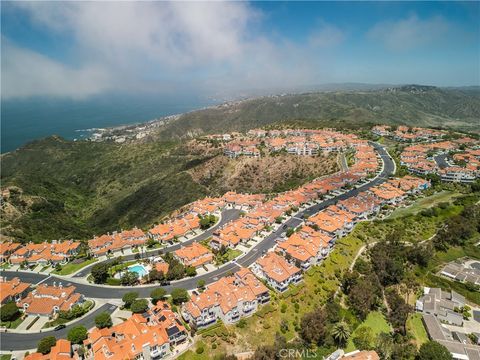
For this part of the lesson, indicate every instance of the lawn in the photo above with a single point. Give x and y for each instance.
(424, 203)
(71, 267)
(12, 324)
(375, 321)
(416, 329)
(5, 357)
(233, 253)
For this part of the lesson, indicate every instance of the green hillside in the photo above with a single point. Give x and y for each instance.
(412, 105)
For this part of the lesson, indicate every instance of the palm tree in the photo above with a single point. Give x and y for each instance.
(341, 333)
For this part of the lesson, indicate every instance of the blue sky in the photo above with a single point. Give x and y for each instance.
(83, 49)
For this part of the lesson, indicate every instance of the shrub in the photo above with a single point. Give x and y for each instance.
(9, 311)
(46, 344)
(157, 294)
(129, 298)
(77, 334)
(179, 296)
(139, 306)
(103, 320)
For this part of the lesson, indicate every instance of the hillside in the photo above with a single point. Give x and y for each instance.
(56, 189)
(411, 105)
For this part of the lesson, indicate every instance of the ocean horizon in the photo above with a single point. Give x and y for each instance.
(25, 120)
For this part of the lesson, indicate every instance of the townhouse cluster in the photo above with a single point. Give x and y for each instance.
(44, 253)
(302, 142)
(151, 335)
(408, 134)
(228, 299)
(43, 300)
(154, 334)
(239, 295)
(429, 153)
(432, 158)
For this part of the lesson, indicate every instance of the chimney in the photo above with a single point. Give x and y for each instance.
(60, 285)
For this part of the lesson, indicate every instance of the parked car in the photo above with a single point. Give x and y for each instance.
(59, 327)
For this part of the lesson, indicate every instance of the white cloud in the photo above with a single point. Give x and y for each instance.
(205, 46)
(326, 35)
(26, 73)
(409, 33)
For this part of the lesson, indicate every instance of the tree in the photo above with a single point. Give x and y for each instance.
(363, 338)
(77, 334)
(313, 327)
(9, 311)
(100, 273)
(340, 333)
(432, 350)
(139, 306)
(129, 298)
(157, 295)
(190, 271)
(290, 231)
(201, 284)
(364, 295)
(155, 275)
(129, 278)
(179, 296)
(45, 345)
(103, 320)
(398, 311)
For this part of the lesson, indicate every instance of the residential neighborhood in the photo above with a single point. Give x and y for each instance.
(222, 235)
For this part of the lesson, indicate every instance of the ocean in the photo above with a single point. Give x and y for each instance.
(29, 119)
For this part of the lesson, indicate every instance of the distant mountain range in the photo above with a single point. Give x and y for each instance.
(419, 105)
(58, 189)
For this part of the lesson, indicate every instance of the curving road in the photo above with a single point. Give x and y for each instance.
(25, 341)
(16, 341)
(110, 292)
(227, 216)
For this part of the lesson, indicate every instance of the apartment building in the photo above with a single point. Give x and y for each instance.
(228, 299)
(278, 273)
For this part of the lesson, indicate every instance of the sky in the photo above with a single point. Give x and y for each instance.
(78, 50)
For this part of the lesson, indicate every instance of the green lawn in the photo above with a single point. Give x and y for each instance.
(71, 267)
(12, 324)
(5, 357)
(375, 321)
(424, 203)
(416, 329)
(233, 253)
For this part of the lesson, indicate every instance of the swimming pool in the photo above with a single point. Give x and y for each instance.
(139, 269)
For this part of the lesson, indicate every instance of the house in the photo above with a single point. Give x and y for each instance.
(441, 304)
(8, 248)
(441, 334)
(12, 290)
(135, 338)
(195, 255)
(48, 300)
(62, 350)
(161, 315)
(277, 271)
(228, 299)
(306, 247)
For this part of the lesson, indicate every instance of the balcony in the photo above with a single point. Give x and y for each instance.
(157, 353)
